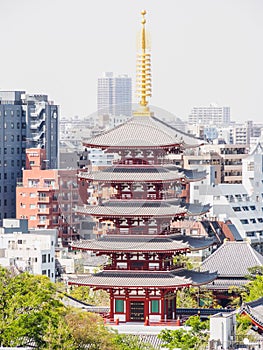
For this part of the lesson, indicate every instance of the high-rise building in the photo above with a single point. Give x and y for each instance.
(25, 121)
(42, 126)
(210, 115)
(12, 149)
(114, 94)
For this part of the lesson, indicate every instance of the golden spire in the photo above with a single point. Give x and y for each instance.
(143, 71)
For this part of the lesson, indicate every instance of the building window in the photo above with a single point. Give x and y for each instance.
(44, 258)
(19, 241)
(32, 206)
(32, 217)
(119, 305)
(154, 306)
(236, 208)
(44, 272)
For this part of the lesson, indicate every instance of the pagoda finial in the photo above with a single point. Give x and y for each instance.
(143, 70)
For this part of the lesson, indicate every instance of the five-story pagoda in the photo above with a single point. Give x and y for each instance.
(142, 276)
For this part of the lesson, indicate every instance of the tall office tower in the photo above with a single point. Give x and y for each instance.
(24, 123)
(42, 126)
(213, 115)
(12, 149)
(114, 95)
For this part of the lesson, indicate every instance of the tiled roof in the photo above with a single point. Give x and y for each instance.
(144, 279)
(131, 243)
(142, 243)
(130, 208)
(196, 242)
(121, 173)
(226, 283)
(197, 278)
(142, 132)
(232, 259)
(254, 310)
(142, 208)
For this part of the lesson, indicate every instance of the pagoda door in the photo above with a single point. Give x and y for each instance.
(137, 311)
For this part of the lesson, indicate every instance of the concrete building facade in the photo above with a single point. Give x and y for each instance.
(25, 120)
(114, 95)
(32, 251)
(210, 115)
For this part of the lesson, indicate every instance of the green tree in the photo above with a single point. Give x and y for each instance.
(28, 304)
(89, 331)
(195, 338)
(194, 297)
(87, 295)
(254, 288)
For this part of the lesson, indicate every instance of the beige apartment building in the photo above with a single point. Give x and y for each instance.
(226, 160)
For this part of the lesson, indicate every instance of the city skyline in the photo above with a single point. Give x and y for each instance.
(202, 52)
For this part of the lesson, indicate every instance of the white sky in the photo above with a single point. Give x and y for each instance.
(202, 51)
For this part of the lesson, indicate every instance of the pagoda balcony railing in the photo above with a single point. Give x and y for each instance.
(140, 231)
(146, 197)
(145, 268)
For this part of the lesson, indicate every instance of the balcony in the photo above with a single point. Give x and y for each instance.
(45, 211)
(44, 199)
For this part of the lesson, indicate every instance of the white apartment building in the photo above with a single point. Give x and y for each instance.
(232, 202)
(252, 175)
(114, 94)
(210, 115)
(32, 251)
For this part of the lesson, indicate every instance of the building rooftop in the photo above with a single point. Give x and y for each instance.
(142, 208)
(232, 259)
(145, 279)
(143, 132)
(137, 173)
(131, 243)
(254, 310)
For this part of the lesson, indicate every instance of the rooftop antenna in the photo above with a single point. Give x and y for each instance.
(143, 68)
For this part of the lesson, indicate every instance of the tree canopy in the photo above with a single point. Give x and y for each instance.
(32, 314)
(194, 338)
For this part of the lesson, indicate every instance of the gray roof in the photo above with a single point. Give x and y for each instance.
(142, 208)
(235, 232)
(144, 279)
(145, 173)
(232, 259)
(143, 132)
(129, 243)
(254, 310)
(226, 283)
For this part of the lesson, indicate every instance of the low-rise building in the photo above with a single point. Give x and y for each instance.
(32, 251)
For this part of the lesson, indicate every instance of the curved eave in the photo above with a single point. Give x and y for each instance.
(113, 178)
(196, 210)
(132, 280)
(111, 212)
(108, 251)
(132, 244)
(196, 243)
(131, 147)
(198, 278)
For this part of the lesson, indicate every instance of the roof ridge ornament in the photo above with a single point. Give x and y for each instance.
(143, 68)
